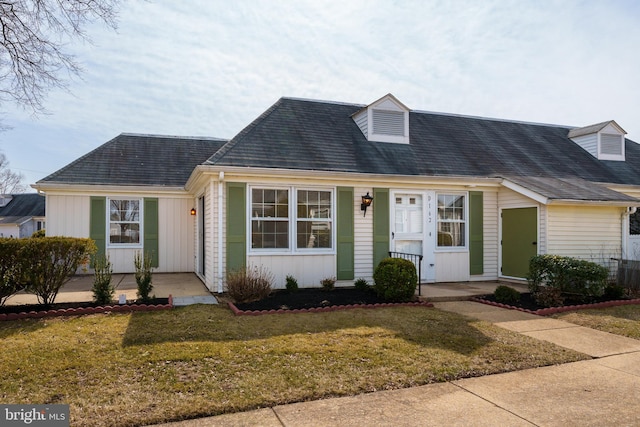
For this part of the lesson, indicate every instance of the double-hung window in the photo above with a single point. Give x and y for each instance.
(124, 222)
(291, 219)
(451, 221)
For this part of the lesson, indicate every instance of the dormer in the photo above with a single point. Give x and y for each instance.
(385, 120)
(604, 141)
(5, 199)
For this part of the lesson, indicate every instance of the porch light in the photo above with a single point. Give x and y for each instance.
(193, 211)
(366, 202)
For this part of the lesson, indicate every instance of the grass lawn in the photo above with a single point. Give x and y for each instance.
(141, 368)
(622, 320)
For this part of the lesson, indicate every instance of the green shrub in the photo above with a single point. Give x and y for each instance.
(11, 280)
(506, 295)
(547, 296)
(143, 275)
(362, 285)
(292, 284)
(249, 284)
(102, 289)
(614, 292)
(328, 283)
(47, 263)
(395, 279)
(569, 275)
(39, 233)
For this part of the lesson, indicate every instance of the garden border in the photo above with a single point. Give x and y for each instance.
(87, 310)
(561, 309)
(239, 312)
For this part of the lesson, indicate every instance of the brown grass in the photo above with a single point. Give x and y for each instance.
(143, 368)
(622, 320)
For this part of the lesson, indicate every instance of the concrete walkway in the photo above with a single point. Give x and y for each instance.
(603, 391)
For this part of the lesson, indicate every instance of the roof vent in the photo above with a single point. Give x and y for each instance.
(385, 120)
(604, 141)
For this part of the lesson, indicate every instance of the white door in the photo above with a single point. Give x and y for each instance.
(410, 228)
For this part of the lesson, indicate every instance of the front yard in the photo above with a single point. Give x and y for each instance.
(143, 368)
(622, 320)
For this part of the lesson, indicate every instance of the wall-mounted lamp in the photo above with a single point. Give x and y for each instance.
(193, 211)
(366, 202)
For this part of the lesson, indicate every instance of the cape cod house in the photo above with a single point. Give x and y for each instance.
(476, 197)
(21, 215)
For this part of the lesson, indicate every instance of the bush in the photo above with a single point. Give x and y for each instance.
(613, 292)
(47, 263)
(362, 285)
(143, 275)
(328, 283)
(569, 275)
(506, 295)
(249, 284)
(395, 279)
(292, 284)
(39, 233)
(103, 290)
(11, 280)
(547, 296)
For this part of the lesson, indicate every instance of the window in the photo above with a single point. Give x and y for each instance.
(313, 227)
(124, 221)
(276, 215)
(634, 223)
(451, 220)
(269, 218)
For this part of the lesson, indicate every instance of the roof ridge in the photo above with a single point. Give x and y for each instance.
(351, 104)
(493, 119)
(152, 135)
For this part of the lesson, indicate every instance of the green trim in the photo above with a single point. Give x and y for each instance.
(151, 244)
(98, 223)
(380, 225)
(476, 233)
(345, 234)
(236, 225)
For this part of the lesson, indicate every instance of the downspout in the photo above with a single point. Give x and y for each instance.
(220, 230)
(625, 230)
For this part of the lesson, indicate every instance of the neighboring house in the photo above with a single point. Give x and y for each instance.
(21, 214)
(476, 197)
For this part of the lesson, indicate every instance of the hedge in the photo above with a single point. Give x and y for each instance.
(569, 275)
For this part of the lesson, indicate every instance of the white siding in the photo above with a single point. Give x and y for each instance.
(67, 215)
(591, 233)
(307, 269)
(363, 237)
(452, 266)
(588, 143)
(508, 199)
(490, 238)
(176, 234)
(362, 122)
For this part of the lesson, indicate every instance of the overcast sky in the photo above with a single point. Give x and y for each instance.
(208, 68)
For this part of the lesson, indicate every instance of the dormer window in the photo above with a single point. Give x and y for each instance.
(604, 141)
(385, 120)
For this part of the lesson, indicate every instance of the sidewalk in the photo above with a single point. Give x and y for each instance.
(598, 392)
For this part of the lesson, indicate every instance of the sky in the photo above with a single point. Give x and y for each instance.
(209, 68)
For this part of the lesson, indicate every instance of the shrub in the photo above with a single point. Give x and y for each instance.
(569, 275)
(143, 275)
(48, 262)
(292, 284)
(328, 283)
(10, 268)
(547, 296)
(39, 233)
(362, 285)
(613, 292)
(249, 284)
(395, 279)
(506, 295)
(102, 288)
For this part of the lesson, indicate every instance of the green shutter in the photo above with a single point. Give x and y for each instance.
(98, 223)
(344, 228)
(476, 246)
(236, 225)
(150, 244)
(380, 225)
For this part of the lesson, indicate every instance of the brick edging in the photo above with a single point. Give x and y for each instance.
(239, 312)
(87, 310)
(554, 310)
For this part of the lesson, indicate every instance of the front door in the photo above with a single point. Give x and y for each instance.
(519, 240)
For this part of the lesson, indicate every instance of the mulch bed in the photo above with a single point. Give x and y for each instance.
(315, 299)
(528, 304)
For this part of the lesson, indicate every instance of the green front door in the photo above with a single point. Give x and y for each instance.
(519, 240)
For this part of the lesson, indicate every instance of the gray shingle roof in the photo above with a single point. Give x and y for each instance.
(23, 205)
(316, 135)
(131, 159)
(571, 189)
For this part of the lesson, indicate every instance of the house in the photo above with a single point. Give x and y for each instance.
(21, 214)
(476, 197)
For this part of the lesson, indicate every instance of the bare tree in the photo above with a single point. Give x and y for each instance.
(10, 181)
(34, 33)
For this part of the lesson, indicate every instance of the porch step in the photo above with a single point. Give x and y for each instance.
(190, 300)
